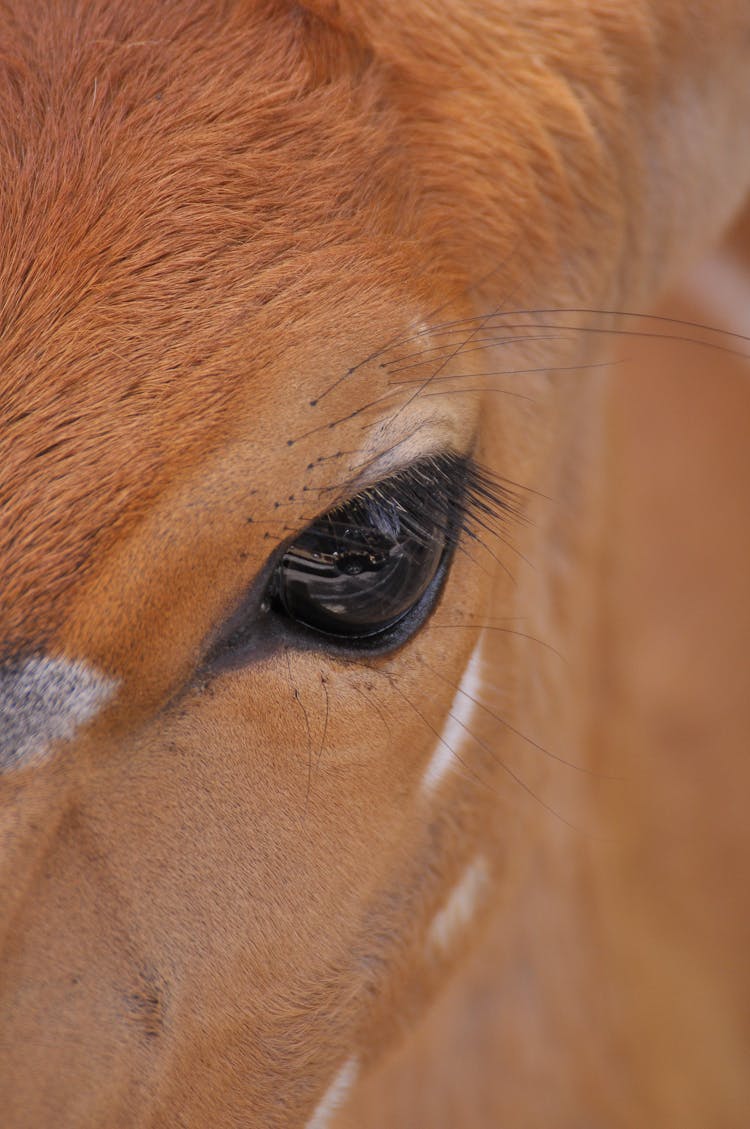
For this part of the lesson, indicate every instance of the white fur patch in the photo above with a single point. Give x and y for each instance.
(454, 732)
(334, 1095)
(45, 700)
(460, 906)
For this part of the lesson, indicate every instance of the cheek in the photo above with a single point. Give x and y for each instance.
(280, 822)
(273, 872)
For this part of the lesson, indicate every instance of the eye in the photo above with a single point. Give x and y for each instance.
(360, 569)
(367, 573)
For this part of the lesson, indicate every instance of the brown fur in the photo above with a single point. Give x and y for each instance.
(211, 212)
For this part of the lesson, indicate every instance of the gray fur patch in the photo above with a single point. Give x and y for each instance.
(45, 700)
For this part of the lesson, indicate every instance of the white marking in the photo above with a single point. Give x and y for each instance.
(334, 1095)
(454, 731)
(46, 700)
(460, 906)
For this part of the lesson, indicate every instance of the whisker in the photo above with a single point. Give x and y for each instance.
(486, 626)
(665, 320)
(486, 342)
(373, 702)
(324, 684)
(397, 340)
(512, 729)
(358, 468)
(473, 777)
(480, 391)
(298, 699)
(498, 560)
(577, 310)
(469, 774)
(644, 335)
(329, 425)
(426, 383)
(515, 777)
(329, 458)
(507, 372)
(493, 342)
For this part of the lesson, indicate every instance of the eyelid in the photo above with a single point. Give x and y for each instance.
(373, 475)
(447, 469)
(389, 462)
(464, 491)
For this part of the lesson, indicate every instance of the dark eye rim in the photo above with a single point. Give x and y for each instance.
(258, 628)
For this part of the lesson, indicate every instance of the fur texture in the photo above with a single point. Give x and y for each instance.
(255, 251)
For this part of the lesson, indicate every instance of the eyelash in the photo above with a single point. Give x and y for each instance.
(443, 500)
(365, 575)
(467, 496)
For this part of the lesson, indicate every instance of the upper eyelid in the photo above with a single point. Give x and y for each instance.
(357, 489)
(370, 475)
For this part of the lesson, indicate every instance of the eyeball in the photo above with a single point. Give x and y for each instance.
(360, 569)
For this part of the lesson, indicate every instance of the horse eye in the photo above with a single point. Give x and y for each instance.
(362, 567)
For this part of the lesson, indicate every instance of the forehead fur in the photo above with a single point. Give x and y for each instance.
(189, 189)
(181, 185)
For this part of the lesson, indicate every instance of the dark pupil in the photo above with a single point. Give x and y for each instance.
(360, 569)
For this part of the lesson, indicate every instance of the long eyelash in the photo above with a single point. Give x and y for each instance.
(445, 495)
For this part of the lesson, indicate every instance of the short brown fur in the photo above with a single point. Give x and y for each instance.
(223, 224)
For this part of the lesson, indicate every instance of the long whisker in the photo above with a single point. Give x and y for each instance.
(471, 535)
(515, 777)
(329, 425)
(468, 774)
(505, 372)
(591, 330)
(486, 626)
(485, 342)
(460, 323)
(298, 699)
(426, 383)
(644, 335)
(479, 391)
(473, 776)
(512, 729)
(324, 684)
(398, 339)
(373, 703)
(419, 391)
